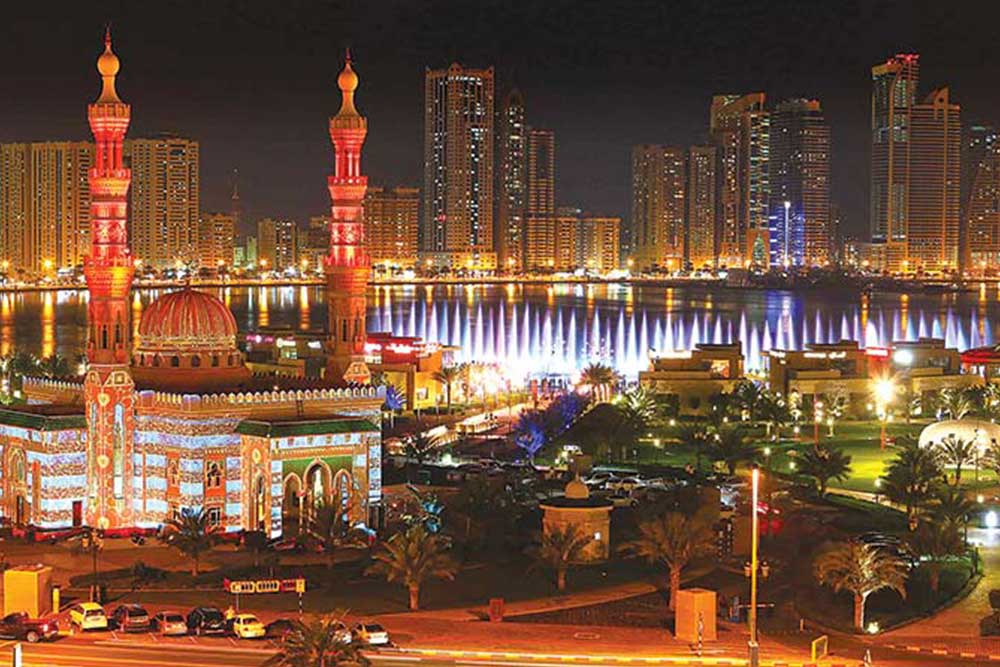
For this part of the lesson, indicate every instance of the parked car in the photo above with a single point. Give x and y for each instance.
(277, 629)
(626, 484)
(206, 621)
(247, 626)
(621, 499)
(130, 618)
(370, 634)
(170, 623)
(21, 626)
(88, 616)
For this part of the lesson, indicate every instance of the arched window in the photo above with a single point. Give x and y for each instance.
(195, 361)
(213, 478)
(215, 361)
(156, 361)
(175, 361)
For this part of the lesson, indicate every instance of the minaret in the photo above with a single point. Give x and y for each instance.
(108, 388)
(347, 265)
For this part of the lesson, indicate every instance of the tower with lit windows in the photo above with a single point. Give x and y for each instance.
(109, 392)
(347, 265)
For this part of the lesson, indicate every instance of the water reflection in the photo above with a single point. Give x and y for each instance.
(559, 328)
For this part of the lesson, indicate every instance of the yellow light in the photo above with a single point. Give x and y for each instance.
(884, 390)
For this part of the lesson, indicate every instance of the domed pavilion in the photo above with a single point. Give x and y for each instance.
(590, 516)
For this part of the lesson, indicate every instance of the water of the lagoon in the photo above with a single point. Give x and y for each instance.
(557, 329)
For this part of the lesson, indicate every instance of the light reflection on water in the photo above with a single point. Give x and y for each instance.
(559, 328)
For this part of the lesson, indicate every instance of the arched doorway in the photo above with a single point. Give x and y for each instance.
(20, 511)
(343, 492)
(258, 503)
(291, 505)
(317, 489)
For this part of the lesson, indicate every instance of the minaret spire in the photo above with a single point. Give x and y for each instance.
(347, 265)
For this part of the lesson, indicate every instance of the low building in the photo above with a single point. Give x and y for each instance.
(409, 364)
(694, 376)
(576, 509)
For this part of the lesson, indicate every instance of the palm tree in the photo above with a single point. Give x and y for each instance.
(957, 452)
(747, 396)
(319, 643)
(600, 379)
(733, 448)
(861, 569)
(951, 506)
(698, 437)
(911, 477)
(775, 413)
(191, 534)
(673, 539)
(331, 525)
(823, 464)
(395, 401)
(559, 549)
(447, 377)
(54, 366)
(935, 542)
(411, 558)
(418, 448)
(954, 402)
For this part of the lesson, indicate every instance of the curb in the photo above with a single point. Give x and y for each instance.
(602, 659)
(943, 652)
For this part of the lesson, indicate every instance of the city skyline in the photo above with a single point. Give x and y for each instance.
(199, 94)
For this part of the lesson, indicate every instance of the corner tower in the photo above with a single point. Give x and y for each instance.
(347, 265)
(108, 388)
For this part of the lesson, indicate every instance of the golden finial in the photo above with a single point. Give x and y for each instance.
(348, 83)
(108, 66)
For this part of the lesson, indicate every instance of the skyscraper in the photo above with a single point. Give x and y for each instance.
(45, 204)
(164, 201)
(277, 244)
(702, 180)
(738, 128)
(512, 184)
(659, 185)
(540, 223)
(458, 167)
(216, 238)
(894, 92)
(800, 234)
(981, 199)
(391, 220)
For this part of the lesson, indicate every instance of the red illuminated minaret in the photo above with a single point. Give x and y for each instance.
(347, 265)
(108, 388)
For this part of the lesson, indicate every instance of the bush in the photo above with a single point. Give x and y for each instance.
(995, 599)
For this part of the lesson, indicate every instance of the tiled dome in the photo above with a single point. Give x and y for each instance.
(187, 320)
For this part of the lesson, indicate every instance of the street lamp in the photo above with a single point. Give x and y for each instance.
(754, 647)
(817, 419)
(884, 391)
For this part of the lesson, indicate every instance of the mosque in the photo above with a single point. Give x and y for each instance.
(175, 420)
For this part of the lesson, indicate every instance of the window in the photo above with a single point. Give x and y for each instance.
(195, 362)
(156, 361)
(215, 360)
(214, 516)
(213, 478)
(175, 361)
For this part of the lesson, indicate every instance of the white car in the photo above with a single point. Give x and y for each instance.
(371, 634)
(626, 484)
(88, 616)
(248, 626)
(170, 624)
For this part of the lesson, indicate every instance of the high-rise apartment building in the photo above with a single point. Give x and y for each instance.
(44, 204)
(314, 243)
(277, 244)
(981, 199)
(702, 238)
(458, 167)
(657, 235)
(216, 239)
(164, 200)
(800, 231)
(512, 184)
(540, 214)
(598, 243)
(391, 224)
(739, 126)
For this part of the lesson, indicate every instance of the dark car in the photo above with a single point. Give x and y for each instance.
(20, 626)
(206, 621)
(279, 628)
(130, 618)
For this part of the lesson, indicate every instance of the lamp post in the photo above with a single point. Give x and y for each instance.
(817, 418)
(754, 648)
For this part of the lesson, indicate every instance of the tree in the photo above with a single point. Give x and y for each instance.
(911, 477)
(54, 366)
(529, 432)
(935, 542)
(775, 413)
(559, 549)
(600, 379)
(418, 447)
(747, 395)
(950, 506)
(191, 534)
(411, 558)
(395, 401)
(732, 447)
(696, 436)
(318, 643)
(447, 377)
(823, 464)
(674, 539)
(861, 569)
(954, 403)
(331, 526)
(957, 452)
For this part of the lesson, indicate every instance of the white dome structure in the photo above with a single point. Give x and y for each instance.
(979, 431)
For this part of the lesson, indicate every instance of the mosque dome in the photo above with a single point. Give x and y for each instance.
(576, 490)
(187, 341)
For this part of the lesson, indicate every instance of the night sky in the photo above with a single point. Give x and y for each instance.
(255, 82)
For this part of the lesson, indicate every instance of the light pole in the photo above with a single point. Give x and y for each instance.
(754, 648)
